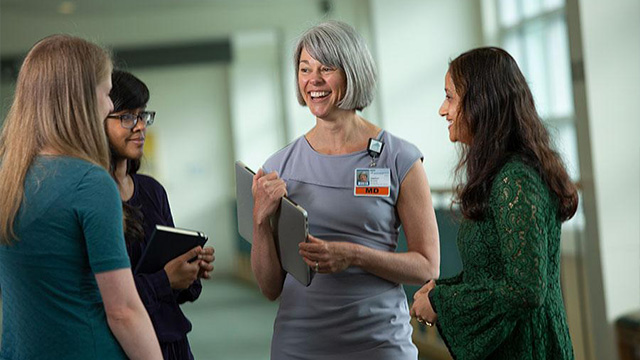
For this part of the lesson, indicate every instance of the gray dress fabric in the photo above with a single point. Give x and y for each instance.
(352, 314)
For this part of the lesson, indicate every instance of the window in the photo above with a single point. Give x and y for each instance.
(535, 33)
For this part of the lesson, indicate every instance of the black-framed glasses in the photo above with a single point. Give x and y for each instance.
(129, 121)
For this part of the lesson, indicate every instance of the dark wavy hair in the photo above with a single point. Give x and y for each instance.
(128, 93)
(498, 110)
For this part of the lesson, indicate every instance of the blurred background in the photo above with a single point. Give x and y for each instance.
(222, 82)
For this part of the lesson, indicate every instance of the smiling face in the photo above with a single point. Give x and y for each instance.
(127, 143)
(450, 109)
(322, 86)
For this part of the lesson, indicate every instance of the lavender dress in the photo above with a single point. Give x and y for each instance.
(352, 314)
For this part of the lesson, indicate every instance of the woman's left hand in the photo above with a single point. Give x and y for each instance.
(326, 257)
(206, 259)
(421, 308)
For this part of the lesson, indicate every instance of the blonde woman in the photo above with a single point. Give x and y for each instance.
(67, 288)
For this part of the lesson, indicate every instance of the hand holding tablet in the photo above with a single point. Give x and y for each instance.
(290, 225)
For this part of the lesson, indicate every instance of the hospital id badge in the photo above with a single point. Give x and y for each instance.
(372, 182)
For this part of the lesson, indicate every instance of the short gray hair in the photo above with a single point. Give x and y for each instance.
(335, 43)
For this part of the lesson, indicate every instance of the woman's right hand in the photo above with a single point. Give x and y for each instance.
(267, 191)
(181, 272)
(425, 289)
(422, 308)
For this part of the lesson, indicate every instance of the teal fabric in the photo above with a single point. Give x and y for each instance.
(450, 263)
(507, 303)
(69, 228)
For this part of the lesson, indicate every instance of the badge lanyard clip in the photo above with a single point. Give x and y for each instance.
(374, 149)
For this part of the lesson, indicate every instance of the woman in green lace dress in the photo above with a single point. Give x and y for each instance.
(507, 302)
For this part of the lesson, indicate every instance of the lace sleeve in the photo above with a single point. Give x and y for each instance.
(476, 318)
(516, 208)
(450, 281)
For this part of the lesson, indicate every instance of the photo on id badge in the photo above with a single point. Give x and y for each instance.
(363, 178)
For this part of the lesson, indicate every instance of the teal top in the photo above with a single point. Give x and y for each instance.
(507, 302)
(69, 228)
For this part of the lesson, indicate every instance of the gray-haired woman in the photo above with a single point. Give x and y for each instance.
(355, 307)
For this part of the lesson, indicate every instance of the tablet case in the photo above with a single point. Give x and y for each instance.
(290, 226)
(166, 244)
(244, 197)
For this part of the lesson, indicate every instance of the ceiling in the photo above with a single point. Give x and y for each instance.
(94, 7)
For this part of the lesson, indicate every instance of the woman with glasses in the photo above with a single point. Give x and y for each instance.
(67, 288)
(145, 205)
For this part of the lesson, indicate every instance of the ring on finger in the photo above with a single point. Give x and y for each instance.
(425, 322)
(317, 266)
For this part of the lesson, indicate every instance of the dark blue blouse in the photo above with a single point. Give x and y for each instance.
(162, 303)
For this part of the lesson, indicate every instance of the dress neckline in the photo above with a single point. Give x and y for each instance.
(354, 153)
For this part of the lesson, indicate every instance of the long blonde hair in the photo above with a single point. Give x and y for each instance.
(55, 106)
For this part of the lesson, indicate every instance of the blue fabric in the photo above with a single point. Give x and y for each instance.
(69, 228)
(162, 303)
(352, 314)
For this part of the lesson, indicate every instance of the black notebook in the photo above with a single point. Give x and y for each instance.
(166, 244)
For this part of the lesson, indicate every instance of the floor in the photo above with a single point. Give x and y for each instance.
(231, 321)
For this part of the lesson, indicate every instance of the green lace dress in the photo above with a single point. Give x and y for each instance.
(507, 302)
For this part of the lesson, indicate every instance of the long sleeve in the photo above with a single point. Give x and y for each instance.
(160, 300)
(476, 317)
(452, 280)
(189, 294)
(154, 289)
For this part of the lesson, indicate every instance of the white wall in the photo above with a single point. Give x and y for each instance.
(190, 146)
(257, 104)
(183, 21)
(611, 46)
(188, 22)
(189, 152)
(414, 41)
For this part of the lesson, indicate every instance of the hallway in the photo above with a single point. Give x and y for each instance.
(231, 321)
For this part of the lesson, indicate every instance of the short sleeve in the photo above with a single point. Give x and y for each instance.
(99, 211)
(407, 155)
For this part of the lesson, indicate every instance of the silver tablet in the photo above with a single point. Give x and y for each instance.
(290, 226)
(244, 198)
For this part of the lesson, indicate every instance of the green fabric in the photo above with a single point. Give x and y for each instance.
(70, 228)
(507, 304)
